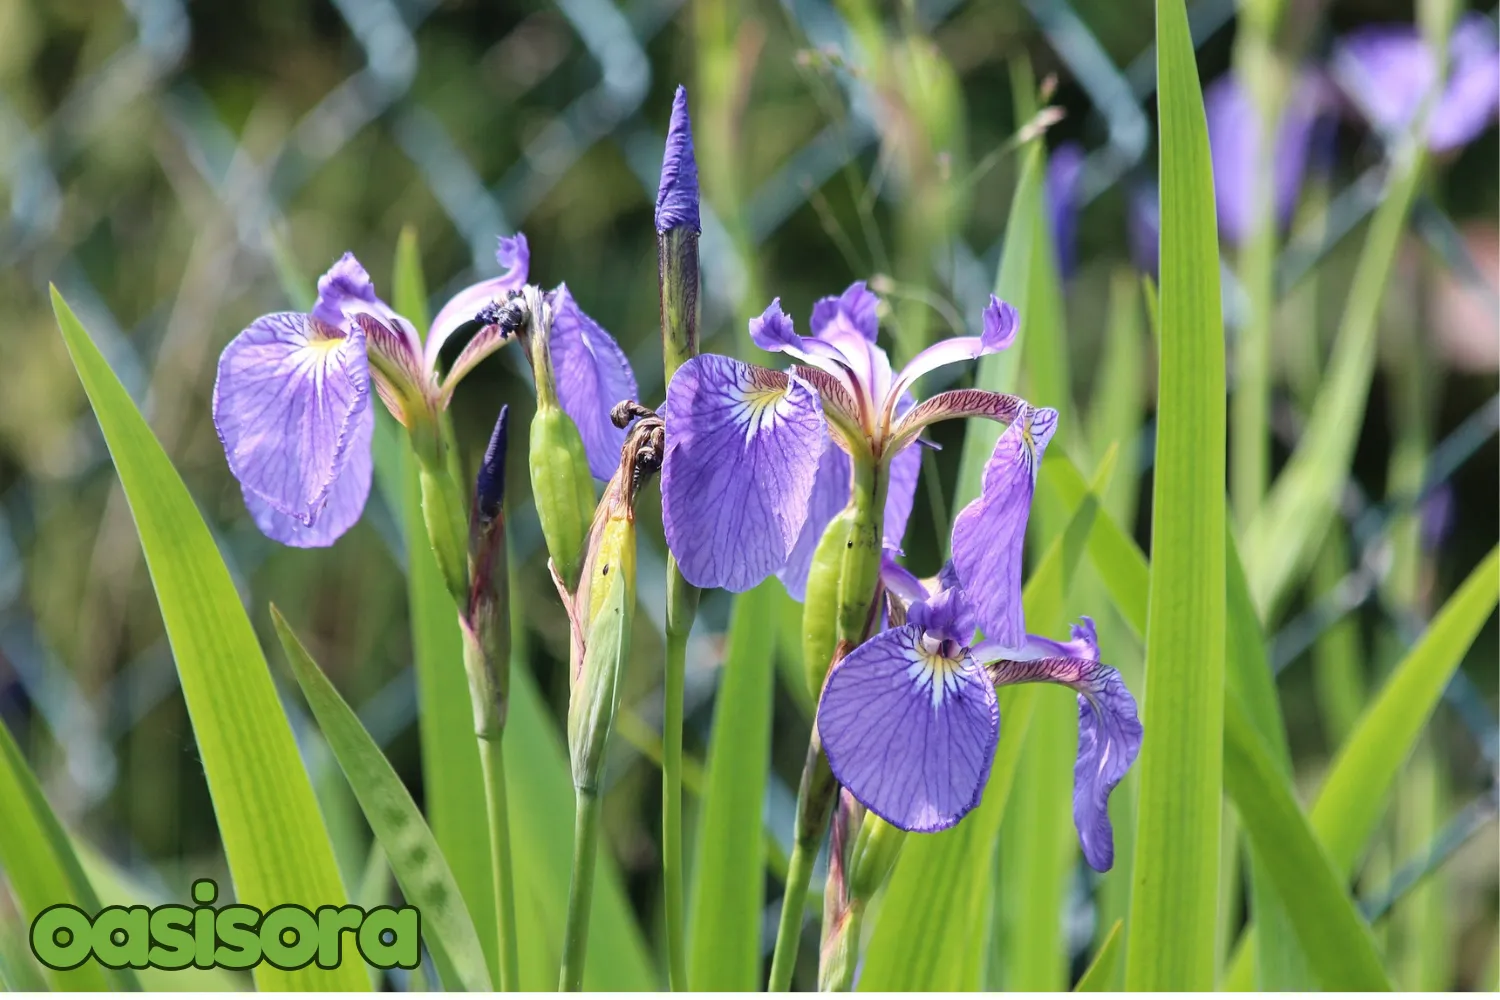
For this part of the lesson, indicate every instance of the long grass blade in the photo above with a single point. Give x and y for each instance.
(273, 835)
(730, 874)
(1175, 896)
(1288, 529)
(1103, 972)
(408, 844)
(42, 869)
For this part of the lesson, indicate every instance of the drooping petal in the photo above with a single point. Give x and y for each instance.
(1109, 739)
(830, 494)
(989, 535)
(772, 330)
(850, 322)
(909, 732)
(514, 256)
(1471, 99)
(1236, 144)
(677, 196)
(743, 447)
(1387, 71)
(592, 375)
(1001, 324)
(1064, 168)
(287, 401)
(956, 404)
(346, 501)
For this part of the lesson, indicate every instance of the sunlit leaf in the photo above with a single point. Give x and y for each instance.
(273, 835)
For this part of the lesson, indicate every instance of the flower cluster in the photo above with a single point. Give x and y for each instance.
(292, 398)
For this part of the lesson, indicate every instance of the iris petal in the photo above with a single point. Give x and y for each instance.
(514, 255)
(592, 375)
(289, 394)
(346, 501)
(989, 535)
(830, 494)
(849, 322)
(1109, 735)
(743, 447)
(1001, 324)
(772, 330)
(345, 291)
(910, 733)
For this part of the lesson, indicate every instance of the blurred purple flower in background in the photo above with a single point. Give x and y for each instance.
(1387, 72)
(1235, 143)
(910, 720)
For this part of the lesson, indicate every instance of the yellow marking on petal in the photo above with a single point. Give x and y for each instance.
(757, 405)
(938, 673)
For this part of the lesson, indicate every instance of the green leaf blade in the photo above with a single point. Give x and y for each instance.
(413, 853)
(273, 834)
(725, 916)
(1173, 904)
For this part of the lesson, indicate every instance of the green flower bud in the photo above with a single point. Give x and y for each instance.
(876, 850)
(820, 605)
(562, 488)
(603, 608)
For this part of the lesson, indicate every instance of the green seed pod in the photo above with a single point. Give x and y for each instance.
(820, 606)
(443, 509)
(859, 576)
(876, 850)
(562, 488)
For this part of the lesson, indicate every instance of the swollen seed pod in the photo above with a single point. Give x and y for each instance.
(561, 486)
(820, 605)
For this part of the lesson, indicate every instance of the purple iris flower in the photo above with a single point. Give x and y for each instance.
(292, 398)
(1388, 71)
(759, 461)
(910, 719)
(1235, 143)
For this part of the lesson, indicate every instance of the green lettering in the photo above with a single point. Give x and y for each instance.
(332, 922)
(172, 943)
(239, 939)
(391, 938)
(123, 937)
(289, 936)
(203, 935)
(62, 937)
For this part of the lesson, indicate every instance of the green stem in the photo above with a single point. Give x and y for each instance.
(815, 797)
(842, 957)
(682, 601)
(492, 757)
(581, 891)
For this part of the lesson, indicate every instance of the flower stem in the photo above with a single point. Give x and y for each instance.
(815, 797)
(841, 957)
(581, 891)
(491, 755)
(682, 604)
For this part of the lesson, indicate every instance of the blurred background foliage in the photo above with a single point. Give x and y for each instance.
(169, 164)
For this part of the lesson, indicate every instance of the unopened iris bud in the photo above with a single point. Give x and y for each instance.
(876, 851)
(560, 480)
(486, 624)
(603, 608)
(677, 229)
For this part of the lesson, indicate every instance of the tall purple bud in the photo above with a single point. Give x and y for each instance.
(677, 229)
(486, 623)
